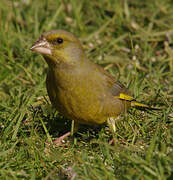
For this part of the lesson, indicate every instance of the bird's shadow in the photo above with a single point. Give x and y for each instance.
(58, 125)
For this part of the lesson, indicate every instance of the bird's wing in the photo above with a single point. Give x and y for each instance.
(115, 86)
(119, 91)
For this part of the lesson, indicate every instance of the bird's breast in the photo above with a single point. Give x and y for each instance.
(76, 96)
(83, 96)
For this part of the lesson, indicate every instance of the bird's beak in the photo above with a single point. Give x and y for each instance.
(41, 46)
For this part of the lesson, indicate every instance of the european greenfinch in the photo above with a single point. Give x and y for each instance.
(78, 88)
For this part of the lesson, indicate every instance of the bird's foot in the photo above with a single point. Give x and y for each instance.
(58, 141)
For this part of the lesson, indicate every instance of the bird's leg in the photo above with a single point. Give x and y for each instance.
(58, 141)
(111, 124)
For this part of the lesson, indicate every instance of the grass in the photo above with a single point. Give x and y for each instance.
(133, 41)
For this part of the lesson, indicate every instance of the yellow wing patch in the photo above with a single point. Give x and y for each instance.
(134, 103)
(126, 97)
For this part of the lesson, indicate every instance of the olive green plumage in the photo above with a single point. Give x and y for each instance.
(79, 89)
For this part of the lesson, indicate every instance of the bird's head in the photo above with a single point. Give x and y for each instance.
(58, 47)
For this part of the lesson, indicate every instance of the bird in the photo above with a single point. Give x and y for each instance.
(78, 88)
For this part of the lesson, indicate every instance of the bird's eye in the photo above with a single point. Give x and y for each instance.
(59, 41)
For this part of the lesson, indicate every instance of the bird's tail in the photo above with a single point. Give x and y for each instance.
(134, 103)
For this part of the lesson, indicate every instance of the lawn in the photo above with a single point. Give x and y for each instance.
(133, 41)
